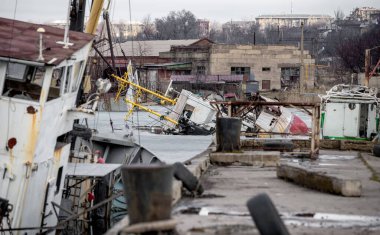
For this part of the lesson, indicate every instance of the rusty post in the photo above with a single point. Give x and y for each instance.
(318, 127)
(302, 69)
(148, 190)
(315, 133)
(229, 109)
(228, 134)
(367, 64)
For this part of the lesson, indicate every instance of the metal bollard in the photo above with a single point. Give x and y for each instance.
(148, 190)
(228, 134)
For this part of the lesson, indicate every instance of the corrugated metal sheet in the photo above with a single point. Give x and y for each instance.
(20, 40)
(266, 121)
(147, 48)
(90, 169)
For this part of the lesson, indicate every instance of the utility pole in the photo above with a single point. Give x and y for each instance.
(367, 64)
(302, 69)
(108, 26)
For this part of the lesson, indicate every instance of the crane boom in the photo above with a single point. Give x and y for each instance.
(144, 89)
(92, 23)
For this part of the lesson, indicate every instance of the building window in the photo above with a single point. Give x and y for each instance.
(290, 77)
(266, 69)
(241, 70)
(201, 70)
(265, 84)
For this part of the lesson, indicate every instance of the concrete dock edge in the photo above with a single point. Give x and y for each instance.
(250, 158)
(319, 180)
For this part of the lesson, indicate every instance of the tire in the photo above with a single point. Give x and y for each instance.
(81, 131)
(376, 150)
(189, 181)
(265, 216)
(278, 146)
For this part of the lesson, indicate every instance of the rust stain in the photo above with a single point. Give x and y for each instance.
(32, 140)
(31, 110)
(12, 142)
(57, 155)
(11, 160)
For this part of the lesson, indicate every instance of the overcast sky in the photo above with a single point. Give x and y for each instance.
(41, 11)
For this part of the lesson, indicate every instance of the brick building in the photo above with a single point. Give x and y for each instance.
(274, 67)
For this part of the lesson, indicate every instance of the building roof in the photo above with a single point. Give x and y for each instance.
(292, 16)
(147, 48)
(20, 40)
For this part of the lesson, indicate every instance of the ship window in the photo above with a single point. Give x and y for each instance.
(78, 66)
(16, 71)
(56, 81)
(59, 179)
(69, 70)
(23, 81)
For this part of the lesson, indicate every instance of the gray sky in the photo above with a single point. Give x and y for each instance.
(41, 11)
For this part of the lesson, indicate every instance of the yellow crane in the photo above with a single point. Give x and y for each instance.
(123, 82)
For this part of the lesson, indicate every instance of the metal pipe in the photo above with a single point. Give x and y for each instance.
(302, 76)
(108, 27)
(152, 111)
(273, 133)
(265, 103)
(101, 56)
(144, 89)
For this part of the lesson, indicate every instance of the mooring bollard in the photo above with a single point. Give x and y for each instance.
(228, 134)
(148, 190)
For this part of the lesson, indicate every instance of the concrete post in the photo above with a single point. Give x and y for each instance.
(315, 132)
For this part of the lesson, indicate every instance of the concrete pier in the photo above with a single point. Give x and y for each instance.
(320, 180)
(250, 158)
(222, 207)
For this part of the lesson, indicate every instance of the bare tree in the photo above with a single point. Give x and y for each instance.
(241, 33)
(177, 25)
(148, 31)
(349, 46)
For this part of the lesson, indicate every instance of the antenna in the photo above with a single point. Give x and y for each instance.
(291, 6)
(40, 31)
(65, 41)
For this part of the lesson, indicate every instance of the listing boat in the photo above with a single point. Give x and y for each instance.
(49, 172)
(350, 112)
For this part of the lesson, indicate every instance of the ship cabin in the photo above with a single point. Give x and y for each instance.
(40, 75)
